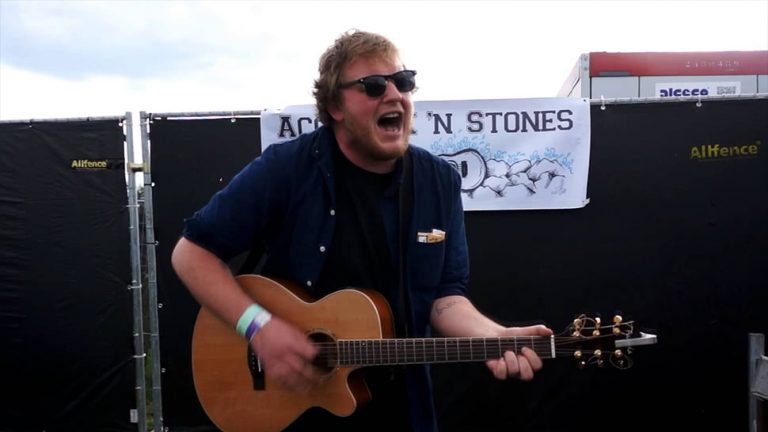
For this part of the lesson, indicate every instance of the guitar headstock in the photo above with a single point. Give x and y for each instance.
(593, 342)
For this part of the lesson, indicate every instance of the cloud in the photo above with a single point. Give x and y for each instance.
(135, 39)
(82, 58)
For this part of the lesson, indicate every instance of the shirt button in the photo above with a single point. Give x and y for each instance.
(333, 212)
(309, 283)
(322, 248)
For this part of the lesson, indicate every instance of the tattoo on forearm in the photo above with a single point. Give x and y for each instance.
(439, 309)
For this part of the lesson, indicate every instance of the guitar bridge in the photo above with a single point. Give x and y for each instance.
(257, 373)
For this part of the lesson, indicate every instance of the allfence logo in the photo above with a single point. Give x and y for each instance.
(96, 164)
(710, 152)
(689, 89)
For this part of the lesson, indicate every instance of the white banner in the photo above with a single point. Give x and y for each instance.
(512, 154)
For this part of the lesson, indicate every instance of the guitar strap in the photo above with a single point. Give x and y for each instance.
(405, 209)
(254, 261)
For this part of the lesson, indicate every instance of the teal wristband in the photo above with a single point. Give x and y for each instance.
(246, 318)
(259, 321)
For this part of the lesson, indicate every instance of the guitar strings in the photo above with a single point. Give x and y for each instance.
(444, 350)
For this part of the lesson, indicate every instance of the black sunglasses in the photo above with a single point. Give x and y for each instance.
(376, 85)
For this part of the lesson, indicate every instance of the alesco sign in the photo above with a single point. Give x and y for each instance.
(687, 89)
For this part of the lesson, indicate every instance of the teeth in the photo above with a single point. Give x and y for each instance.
(391, 115)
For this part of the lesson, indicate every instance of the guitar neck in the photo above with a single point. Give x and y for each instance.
(380, 352)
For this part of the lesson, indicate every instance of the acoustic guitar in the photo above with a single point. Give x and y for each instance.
(353, 329)
(471, 165)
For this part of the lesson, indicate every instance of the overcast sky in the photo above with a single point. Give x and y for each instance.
(61, 59)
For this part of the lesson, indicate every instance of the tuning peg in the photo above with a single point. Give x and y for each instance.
(619, 360)
(597, 357)
(577, 324)
(596, 330)
(580, 362)
(617, 320)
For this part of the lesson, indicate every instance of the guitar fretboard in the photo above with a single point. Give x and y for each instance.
(379, 352)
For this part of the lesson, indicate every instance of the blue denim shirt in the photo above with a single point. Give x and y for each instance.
(286, 198)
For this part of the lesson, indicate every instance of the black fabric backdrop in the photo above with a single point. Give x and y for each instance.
(65, 310)
(191, 160)
(675, 243)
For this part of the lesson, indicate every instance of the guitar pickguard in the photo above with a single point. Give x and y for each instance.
(257, 373)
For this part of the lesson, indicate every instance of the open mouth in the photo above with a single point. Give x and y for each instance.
(391, 122)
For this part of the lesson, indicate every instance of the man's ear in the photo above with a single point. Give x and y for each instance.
(335, 112)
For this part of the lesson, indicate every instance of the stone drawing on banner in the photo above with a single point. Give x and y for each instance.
(499, 174)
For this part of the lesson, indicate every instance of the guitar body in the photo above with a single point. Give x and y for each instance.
(223, 370)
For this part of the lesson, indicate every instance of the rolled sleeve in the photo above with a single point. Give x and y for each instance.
(238, 214)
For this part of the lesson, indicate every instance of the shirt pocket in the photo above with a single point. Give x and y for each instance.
(427, 263)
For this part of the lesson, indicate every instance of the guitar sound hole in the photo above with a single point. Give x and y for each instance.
(326, 359)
